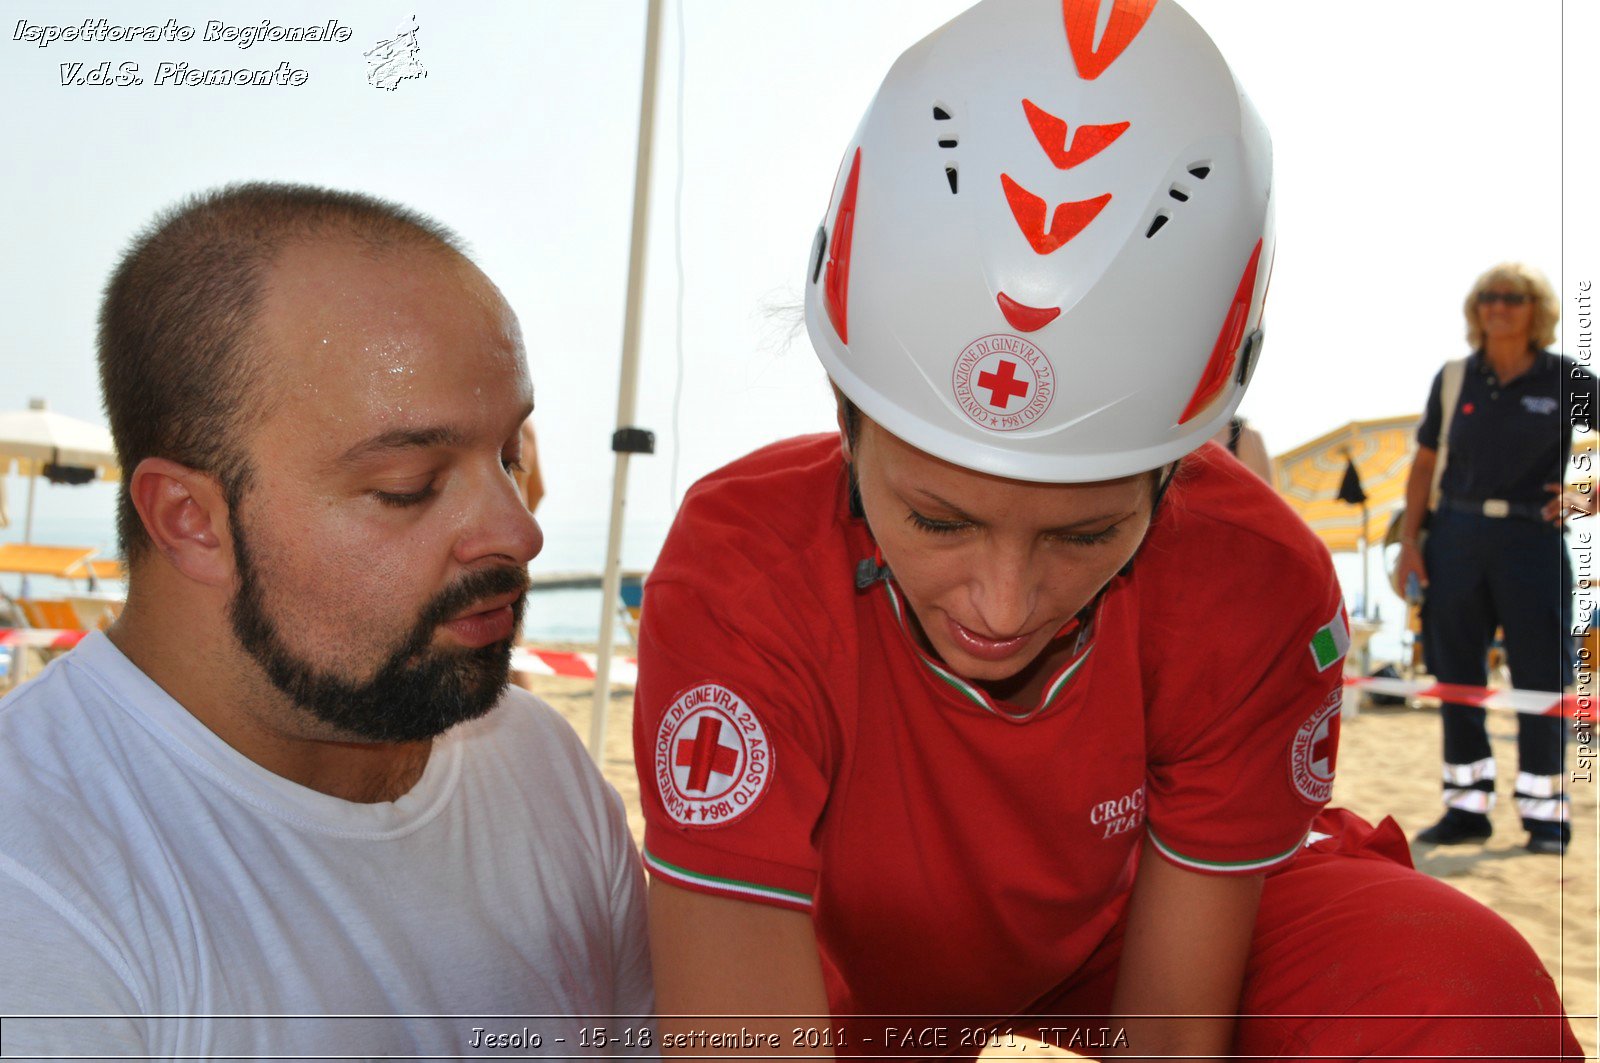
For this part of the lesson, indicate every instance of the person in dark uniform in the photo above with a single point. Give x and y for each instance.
(1495, 555)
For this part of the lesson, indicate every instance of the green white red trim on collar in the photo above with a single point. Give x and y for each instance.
(1069, 671)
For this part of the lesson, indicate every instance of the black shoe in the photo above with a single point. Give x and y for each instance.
(1550, 845)
(1456, 827)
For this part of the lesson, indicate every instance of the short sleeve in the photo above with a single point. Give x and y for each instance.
(1244, 739)
(1428, 430)
(731, 742)
(51, 964)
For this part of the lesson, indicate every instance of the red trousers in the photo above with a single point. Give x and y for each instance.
(1357, 956)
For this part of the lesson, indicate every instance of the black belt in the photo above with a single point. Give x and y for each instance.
(1493, 507)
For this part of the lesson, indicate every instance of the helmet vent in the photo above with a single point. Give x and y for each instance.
(948, 141)
(1156, 223)
(1179, 194)
(1199, 171)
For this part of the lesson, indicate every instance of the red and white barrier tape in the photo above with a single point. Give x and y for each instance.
(40, 638)
(624, 670)
(1530, 702)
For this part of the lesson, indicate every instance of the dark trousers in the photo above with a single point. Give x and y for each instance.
(1513, 573)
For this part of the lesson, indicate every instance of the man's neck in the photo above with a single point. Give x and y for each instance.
(189, 651)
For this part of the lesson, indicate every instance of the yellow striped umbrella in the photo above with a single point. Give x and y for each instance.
(1308, 478)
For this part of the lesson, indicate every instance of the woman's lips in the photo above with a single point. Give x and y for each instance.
(981, 647)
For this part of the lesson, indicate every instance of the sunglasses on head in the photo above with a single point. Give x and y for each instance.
(1508, 298)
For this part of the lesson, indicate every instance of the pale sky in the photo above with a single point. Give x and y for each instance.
(1417, 142)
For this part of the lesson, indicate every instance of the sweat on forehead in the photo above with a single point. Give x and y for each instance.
(333, 308)
(174, 347)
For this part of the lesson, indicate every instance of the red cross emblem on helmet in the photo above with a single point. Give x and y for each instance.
(1003, 382)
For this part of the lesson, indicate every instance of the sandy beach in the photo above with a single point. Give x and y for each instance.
(1388, 765)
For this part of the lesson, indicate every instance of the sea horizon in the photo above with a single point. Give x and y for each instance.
(551, 616)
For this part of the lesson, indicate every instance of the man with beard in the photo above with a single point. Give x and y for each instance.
(290, 781)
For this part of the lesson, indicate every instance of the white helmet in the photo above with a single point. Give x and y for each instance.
(1049, 243)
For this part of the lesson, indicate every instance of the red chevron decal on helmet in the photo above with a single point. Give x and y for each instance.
(1068, 220)
(1026, 318)
(1087, 142)
(1220, 366)
(1127, 19)
(836, 285)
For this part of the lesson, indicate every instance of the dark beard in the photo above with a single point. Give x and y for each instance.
(417, 693)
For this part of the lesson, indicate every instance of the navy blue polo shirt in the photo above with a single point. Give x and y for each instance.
(1508, 440)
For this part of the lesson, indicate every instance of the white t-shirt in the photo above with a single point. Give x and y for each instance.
(149, 869)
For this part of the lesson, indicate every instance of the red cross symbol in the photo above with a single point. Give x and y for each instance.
(1325, 748)
(702, 755)
(1003, 385)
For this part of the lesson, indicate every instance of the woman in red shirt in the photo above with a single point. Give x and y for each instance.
(1015, 700)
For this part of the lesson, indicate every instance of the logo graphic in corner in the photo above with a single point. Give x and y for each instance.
(1003, 382)
(394, 60)
(713, 760)
(1314, 750)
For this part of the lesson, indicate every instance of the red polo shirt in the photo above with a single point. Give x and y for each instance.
(796, 747)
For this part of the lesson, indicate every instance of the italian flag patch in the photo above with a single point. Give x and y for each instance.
(1329, 644)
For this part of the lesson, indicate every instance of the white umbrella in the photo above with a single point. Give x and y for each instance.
(39, 442)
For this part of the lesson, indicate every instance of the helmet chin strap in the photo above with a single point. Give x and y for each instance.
(870, 570)
(1161, 488)
(1155, 506)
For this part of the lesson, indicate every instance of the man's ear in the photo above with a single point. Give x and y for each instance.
(185, 513)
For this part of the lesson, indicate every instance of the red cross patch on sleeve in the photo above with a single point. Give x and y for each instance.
(713, 761)
(1314, 751)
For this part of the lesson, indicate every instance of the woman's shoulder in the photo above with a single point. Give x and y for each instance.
(813, 462)
(1222, 529)
(779, 514)
(1235, 587)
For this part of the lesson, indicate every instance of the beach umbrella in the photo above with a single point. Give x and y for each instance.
(1321, 479)
(40, 442)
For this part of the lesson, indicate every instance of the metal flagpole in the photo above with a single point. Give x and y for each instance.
(27, 525)
(33, 484)
(628, 439)
(1366, 590)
